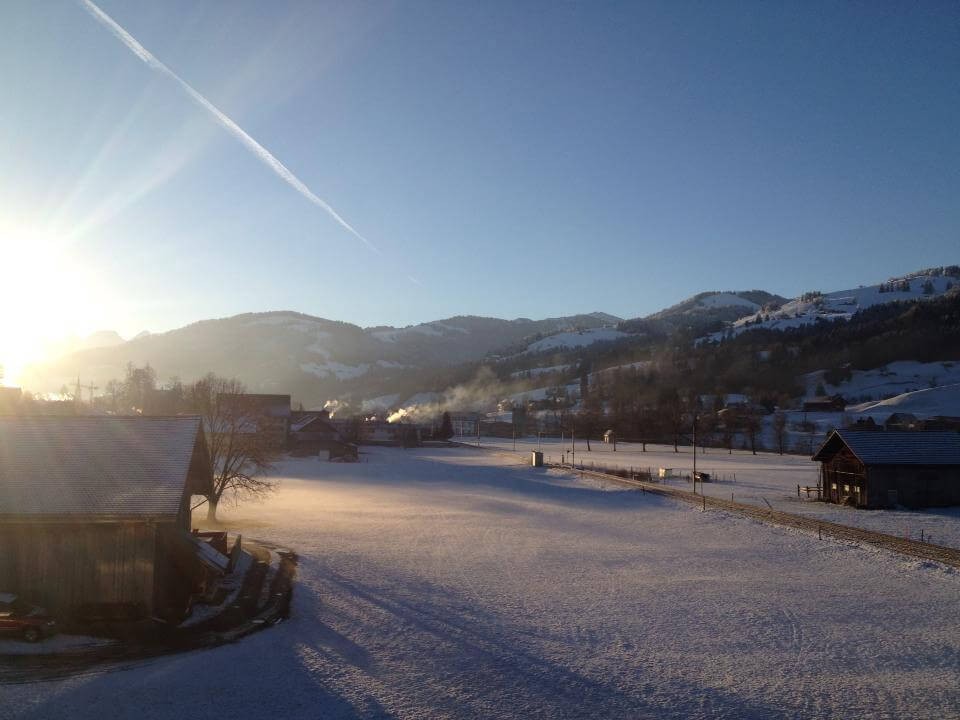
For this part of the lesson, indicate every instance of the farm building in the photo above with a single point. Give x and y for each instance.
(266, 416)
(825, 403)
(377, 432)
(312, 431)
(876, 469)
(95, 514)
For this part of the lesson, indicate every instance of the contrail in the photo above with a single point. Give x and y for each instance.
(256, 148)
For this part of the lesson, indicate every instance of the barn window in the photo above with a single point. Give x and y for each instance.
(833, 486)
(846, 488)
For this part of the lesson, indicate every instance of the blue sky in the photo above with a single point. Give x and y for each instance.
(516, 159)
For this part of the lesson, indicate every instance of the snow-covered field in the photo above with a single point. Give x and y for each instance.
(765, 480)
(459, 584)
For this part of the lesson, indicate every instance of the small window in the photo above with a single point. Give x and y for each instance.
(833, 486)
(846, 488)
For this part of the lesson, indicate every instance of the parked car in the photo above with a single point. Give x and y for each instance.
(32, 623)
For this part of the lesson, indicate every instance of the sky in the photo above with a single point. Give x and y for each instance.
(492, 158)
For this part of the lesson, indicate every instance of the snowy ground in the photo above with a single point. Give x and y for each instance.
(763, 479)
(458, 584)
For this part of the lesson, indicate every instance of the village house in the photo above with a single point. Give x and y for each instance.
(95, 514)
(380, 432)
(825, 403)
(874, 469)
(312, 431)
(268, 416)
(901, 421)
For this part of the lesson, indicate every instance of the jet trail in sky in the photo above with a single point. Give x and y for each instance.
(256, 148)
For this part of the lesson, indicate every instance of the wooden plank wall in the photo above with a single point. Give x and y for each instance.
(64, 565)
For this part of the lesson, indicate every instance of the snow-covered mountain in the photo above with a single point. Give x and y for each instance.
(315, 359)
(843, 304)
(704, 312)
(740, 303)
(306, 355)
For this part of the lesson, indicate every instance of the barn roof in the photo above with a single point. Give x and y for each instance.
(112, 466)
(891, 447)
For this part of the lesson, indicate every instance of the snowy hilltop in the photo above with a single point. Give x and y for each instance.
(843, 304)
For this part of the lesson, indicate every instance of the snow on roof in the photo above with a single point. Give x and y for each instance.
(95, 465)
(206, 553)
(879, 447)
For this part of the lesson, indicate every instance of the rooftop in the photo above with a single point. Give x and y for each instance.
(891, 447)
(114, 466)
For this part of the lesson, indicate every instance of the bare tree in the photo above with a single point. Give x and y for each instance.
(752, 424)
(670, 410)
(137, 388)
(239, 455)
(780, 430)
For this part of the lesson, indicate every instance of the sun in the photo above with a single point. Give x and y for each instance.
(46, 295)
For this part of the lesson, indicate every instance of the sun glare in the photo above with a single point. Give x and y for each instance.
(45, 294)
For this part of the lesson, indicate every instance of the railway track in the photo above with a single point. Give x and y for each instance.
(913, 548)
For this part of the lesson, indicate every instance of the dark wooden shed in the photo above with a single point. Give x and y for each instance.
(95, 513)
(875, 469)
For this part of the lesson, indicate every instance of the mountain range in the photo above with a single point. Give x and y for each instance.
(317, 359)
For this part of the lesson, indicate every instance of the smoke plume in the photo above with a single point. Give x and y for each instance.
(480, 394)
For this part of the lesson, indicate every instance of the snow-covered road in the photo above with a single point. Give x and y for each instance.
(455, 584)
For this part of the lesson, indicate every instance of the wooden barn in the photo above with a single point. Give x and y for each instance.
(95, 514)
(875, 469)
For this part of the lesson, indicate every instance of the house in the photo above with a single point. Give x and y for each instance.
(379, 432)
(312, 431)
(874, 469)
(825, 403)
(269, 417)
(95, 514)
(901, 421)
(610, 437)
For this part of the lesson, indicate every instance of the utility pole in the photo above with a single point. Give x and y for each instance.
(695, 455)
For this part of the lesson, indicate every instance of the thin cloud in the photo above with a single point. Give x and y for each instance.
(252, 145)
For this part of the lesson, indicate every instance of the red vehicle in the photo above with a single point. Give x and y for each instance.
(30, 622)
